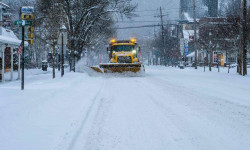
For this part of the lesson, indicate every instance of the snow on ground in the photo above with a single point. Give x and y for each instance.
(28, 72)
(169, 108)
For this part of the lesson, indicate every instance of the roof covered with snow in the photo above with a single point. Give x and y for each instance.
(191, 54)
(4, 5)
(8, 37)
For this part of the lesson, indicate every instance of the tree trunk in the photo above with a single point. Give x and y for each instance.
(53, 59)
(239, 61)
(211, 61)
(244, 36)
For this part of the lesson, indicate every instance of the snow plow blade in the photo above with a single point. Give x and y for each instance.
(120, 68)
(97, 69)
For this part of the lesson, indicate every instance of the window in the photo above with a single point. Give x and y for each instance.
(121, 48)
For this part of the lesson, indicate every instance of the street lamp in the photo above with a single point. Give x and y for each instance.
(210, 51)
(63, 39)
(75, 54)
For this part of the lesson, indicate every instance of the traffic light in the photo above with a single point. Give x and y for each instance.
(31, 42)
(30, 35)
(30, 29)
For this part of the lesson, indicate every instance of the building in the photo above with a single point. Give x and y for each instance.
(5, 17)
(186, 35)
(8, 44)
(220, 45)
(186, 9)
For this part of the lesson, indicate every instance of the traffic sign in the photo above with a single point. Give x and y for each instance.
(23, 22)
(186, 50)
(27, 16)
(27, 10)
(18, 22)
(28, 23)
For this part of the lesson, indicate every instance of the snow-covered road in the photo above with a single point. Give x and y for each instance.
(168, 109)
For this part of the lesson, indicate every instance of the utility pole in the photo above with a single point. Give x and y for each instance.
(180, 10)
(244, 37)
(26, 17)
(195, 34)
(23, 48)
(163, 37)
(23, 31)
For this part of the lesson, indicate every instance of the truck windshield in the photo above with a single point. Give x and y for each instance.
(120, 48)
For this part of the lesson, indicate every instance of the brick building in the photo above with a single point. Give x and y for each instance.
(219, 37)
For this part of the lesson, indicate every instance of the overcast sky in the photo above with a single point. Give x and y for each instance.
(147, 11)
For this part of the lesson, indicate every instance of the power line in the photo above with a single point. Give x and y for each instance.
(165, 10)
(143, 21)
(195, 33)
(135, 21)
(144, 26)
(162, 34)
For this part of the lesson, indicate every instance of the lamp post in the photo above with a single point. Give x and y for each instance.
(75, 53)
(211, 52)
(63, 37)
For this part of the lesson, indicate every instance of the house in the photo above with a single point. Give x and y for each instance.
(8, 44)
(5, 17)
(186, 34)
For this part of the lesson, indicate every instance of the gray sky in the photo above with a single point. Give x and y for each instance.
(147, 10)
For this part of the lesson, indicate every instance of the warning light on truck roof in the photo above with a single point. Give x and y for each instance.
(112, 41)
(133, 40)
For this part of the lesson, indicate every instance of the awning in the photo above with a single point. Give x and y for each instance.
(191, 54)
(11, 41)
(8, 37)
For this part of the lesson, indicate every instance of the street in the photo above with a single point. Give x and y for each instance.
(168, 109)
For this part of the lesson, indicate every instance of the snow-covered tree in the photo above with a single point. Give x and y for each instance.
(85, 20)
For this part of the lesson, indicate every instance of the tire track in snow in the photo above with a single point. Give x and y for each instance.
(242, 113)
(96, 132)
(201, 108)
(183, 128)
(85, 118)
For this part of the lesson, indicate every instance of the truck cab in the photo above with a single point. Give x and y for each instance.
(124, 51)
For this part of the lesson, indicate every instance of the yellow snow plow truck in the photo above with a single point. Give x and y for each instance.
(124, 57)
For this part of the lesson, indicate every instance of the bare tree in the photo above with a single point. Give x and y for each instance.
(48, 21)
(86, 20)
(82, 16)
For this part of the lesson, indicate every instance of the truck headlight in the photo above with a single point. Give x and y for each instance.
(134, 51)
